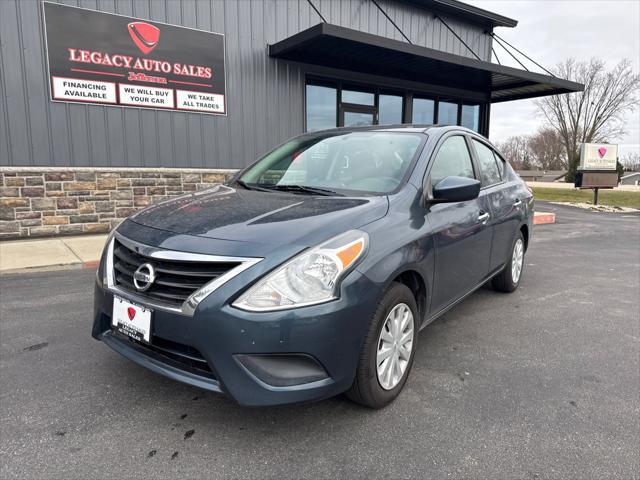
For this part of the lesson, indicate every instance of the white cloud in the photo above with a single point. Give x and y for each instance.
(549, 31)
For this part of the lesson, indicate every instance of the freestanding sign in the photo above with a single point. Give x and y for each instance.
(598, 167)
(108, 59)
(598, 156)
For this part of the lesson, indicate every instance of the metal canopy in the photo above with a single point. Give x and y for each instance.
(339, 47)
(466, 11)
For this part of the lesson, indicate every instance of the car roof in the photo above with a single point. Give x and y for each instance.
(400, 127)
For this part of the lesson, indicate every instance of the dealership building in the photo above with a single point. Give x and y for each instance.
(111, 106)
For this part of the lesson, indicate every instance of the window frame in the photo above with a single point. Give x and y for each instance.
(426, 180)
(357, 108)
(353, 87)
(496, 158)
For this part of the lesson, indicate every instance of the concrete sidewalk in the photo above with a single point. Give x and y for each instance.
(51, 254)
(569, 186)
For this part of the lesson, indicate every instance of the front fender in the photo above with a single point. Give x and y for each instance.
(416, 255)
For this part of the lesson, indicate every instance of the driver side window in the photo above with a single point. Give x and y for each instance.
(453, 159)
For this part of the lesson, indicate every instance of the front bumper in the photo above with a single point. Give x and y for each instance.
(217, 347)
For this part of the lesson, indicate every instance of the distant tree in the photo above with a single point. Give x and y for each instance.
(619, 169)
(547, 149)
(595, 114)
(516, 151)
(631, 162)
(572, 167)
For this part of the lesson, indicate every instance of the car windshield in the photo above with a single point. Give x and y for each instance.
(371, 162)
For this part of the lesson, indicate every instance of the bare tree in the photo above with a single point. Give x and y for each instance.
(597, 113)
(516, 150)
(631, 162)
(547, 150)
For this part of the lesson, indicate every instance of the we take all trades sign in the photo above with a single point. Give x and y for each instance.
(108, 59)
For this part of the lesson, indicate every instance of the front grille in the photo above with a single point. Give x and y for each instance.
(175, 280)
(172, 353)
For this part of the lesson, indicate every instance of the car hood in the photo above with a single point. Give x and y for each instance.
(277, 218)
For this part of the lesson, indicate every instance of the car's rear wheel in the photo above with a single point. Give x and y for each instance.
(388, 349)
(508, 280)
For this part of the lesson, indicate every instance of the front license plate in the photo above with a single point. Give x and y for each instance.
(131, 319)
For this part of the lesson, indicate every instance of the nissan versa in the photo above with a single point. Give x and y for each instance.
(311, 272)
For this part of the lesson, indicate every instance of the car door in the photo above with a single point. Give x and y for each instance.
(502, 197)
(462, 238)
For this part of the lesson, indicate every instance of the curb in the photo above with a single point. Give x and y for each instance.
(93, 264)
(43, 268)
(544, 218)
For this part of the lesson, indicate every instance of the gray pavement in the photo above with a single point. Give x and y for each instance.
(542, 383)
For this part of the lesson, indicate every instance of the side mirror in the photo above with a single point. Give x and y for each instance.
(455, 189)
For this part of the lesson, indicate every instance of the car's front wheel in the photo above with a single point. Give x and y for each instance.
(388, 350)
(508, 280)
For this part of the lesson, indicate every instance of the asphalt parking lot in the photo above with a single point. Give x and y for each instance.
(543, 383)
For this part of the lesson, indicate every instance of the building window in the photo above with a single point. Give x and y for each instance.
(332, 103)
(321, 107)
(423, 110)
(389, 109)
(358, 97)
(470, 117)
(357, 119)
(447, 113)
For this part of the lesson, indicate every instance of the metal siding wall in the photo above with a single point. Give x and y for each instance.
(264, 96)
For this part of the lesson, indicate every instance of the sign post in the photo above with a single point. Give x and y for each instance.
(598, 167)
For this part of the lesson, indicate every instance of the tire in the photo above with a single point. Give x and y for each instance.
(367, 388)
(505, 281)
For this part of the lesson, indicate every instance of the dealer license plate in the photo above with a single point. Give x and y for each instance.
(131, 319)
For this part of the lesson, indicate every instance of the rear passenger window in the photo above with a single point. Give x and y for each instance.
(452, 159)
(490, 171)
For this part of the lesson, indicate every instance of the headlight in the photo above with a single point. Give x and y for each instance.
(309, 278)
(103, 271)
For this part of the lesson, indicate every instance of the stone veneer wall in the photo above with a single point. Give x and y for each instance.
(37, 202)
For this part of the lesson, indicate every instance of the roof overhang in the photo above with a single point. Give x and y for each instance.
(465, 11)
(347, 49)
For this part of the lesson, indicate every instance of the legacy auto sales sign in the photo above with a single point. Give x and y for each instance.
(598, 156)
(108, 59)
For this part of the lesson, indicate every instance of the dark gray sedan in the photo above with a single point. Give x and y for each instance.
(312, 271)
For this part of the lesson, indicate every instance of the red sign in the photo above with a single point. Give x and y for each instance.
(144, 35)
(108, 59)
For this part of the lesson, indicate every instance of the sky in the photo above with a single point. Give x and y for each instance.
(549, 31)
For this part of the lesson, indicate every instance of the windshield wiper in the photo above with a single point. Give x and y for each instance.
(244, 184)
(305, 189)
(270, 187)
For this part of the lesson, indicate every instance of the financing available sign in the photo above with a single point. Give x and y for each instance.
(598, 156)
(108, 59)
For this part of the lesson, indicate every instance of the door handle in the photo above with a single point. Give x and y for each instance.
(484, 216)
(517, 203)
